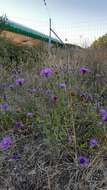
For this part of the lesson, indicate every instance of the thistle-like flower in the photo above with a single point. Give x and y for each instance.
(83, 161)
(84, 70)
(20, 82)
(6, 142)
(93, 142)
(46, 72)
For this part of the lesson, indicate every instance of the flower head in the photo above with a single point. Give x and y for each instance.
(104, 118)
(15, 156)
(93, 142)
(62, 85)
(6, 142)
(103, 113)
(46, 72)
(83, 161)
(29, 114)
(4, 106)
(18, 124)
(84, 70)
(20, 81)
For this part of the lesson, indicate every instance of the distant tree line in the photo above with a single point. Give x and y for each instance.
(100, 42)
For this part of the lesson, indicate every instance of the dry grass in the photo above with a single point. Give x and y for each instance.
(48, 160)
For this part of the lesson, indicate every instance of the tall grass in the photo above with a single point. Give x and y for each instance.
(50, 142)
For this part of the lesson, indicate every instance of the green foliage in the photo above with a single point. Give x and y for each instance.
(100, 42)
(14, 56)
(67, 117)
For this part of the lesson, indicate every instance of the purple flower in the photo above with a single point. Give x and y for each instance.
(83, 161)
(46, 72)
(104, 118)
(18, 124)
(20, 81)
(15, 156)
(4, 106)
(103, 113)
(84, 70)
(93, 142)
(62, 85)
(29, 114)
(5, 142)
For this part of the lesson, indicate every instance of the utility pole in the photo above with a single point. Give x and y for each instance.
(50, 28)
(49, 33)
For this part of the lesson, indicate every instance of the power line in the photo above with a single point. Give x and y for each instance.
(50, 26)
(46, 6)
(45, 3)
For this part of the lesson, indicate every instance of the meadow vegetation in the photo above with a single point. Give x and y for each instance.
(53, 118)
(101, 42)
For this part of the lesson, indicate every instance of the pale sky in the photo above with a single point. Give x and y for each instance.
(80, 21)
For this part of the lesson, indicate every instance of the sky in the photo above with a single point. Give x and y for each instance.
(78, 21)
